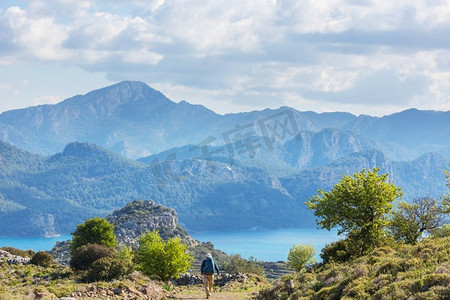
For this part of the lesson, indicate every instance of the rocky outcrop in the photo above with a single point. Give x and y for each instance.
(138, 217)
(13, 259)
(132, 221)
(61, 252)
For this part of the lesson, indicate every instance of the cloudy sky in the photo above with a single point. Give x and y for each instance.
(366, 57)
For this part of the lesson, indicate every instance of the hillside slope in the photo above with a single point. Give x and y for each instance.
(51, 195)
(407, 272)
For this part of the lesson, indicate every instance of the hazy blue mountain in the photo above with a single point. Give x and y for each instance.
(414, 129)
(307, 149)
(421, 177)
(45, 195)
(132, 119)
(129, 117)
(86, 180)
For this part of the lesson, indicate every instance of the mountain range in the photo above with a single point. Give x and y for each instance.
(134, 120)
(219, 172)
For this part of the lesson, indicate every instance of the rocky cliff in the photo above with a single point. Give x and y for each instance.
(132, 221)
(138, 217)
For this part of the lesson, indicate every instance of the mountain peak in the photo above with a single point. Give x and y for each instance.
(124, 92)
(83, 150)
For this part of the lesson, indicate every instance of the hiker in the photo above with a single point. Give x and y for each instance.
(207, 270)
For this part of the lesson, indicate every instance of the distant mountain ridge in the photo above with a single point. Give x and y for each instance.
(134, 120)
(251, 170)
(48, 195)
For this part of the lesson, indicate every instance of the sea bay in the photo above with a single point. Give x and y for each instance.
(33, 243)
(266, 245)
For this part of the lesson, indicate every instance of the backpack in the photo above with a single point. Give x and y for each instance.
(209, 266)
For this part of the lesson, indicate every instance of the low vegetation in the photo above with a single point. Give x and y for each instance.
(420, 271)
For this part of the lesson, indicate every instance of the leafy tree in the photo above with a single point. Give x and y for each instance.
(358, 206)
(86, 255)
(299, 256)
(42, 258)
(93, 231)
(162, 259)
(410, 221)
(237, 264)
(126, 255)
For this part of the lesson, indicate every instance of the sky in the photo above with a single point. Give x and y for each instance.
(364, 57)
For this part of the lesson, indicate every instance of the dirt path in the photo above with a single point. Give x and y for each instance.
(197, 292)
(219, 295)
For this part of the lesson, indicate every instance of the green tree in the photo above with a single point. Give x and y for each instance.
(300, 255)
(358, 206)
(162, 259)
(93, 231)
(410, 221)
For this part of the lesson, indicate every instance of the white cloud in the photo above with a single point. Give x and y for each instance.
(234, 54)
(143, 56)
(36, 38)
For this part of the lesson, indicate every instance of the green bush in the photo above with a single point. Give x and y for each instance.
(107, 269)
(338, 251)
(42, 258)
(237, 264)
(84, 256)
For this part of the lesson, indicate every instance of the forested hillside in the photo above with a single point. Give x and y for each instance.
(47, 195)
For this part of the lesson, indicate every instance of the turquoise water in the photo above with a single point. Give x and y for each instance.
(268, 245)
(33, 243)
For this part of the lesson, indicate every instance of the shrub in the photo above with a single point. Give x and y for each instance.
(237, 264)
(336, 252)
(42, 258)
(83, 257)
(107, 269)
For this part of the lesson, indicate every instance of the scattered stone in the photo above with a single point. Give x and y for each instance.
(150, 291)
(224, 279)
